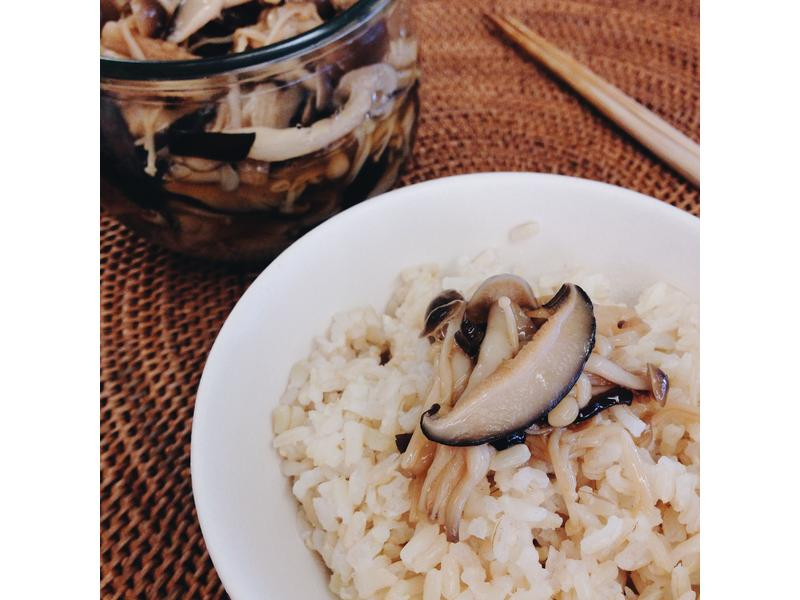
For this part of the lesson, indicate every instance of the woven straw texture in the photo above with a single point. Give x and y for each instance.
(485, 107)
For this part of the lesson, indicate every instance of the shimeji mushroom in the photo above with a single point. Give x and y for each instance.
(192, 15)
(150, 17)
(656, 382)
(520, 296)
(368, 92)
(477, 460)
(490, 291)
(613, 373)
(451, 376)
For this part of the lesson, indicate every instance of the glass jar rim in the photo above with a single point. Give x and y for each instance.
(170, 70)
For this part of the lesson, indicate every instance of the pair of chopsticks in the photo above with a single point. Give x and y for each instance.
(661, 138)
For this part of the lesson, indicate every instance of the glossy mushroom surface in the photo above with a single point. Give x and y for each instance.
(524, 388)
(513, 287)
(507, 367)
(441, 310)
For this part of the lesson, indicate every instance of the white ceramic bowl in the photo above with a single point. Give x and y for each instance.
(245, 507)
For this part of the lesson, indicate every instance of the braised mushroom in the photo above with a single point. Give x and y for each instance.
(365, 89)
(470, 336)
(194, 14)
(523, 369)
(601, 402)
(613, 373)
(477, 460)
(216, 37)
(150, 17)
(497, 346)
(442, 309)
(513, 287)
(524, 388)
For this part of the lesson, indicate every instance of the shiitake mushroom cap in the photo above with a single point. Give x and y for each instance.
(526, 387)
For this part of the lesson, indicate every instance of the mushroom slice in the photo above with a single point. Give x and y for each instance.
(525, 387)
(490, 291)
(512, 439)
(495, 348)
(366, 89)
(118, 37)
(461, 368)
(659, 383)
(444, 307)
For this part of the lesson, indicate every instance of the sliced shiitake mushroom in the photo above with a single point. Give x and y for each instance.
(512, 439)
(523, 388)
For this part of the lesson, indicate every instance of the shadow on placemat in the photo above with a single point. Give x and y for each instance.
(159, 313)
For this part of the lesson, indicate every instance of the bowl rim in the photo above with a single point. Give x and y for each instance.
(172, 70)
(199, 484)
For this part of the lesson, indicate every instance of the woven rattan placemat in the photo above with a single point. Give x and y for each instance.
(484, 108)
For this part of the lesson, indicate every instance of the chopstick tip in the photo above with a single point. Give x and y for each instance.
(498, 22)
(489, 16)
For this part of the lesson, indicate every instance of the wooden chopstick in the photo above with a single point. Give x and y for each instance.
(661, 138)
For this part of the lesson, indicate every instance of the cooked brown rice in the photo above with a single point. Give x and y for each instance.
(605, 510)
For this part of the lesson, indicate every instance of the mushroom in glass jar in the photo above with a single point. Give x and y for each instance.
(231, 127)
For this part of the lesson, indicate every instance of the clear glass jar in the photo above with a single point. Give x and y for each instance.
(236, 156)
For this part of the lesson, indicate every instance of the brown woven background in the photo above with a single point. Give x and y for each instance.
(484, 108)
